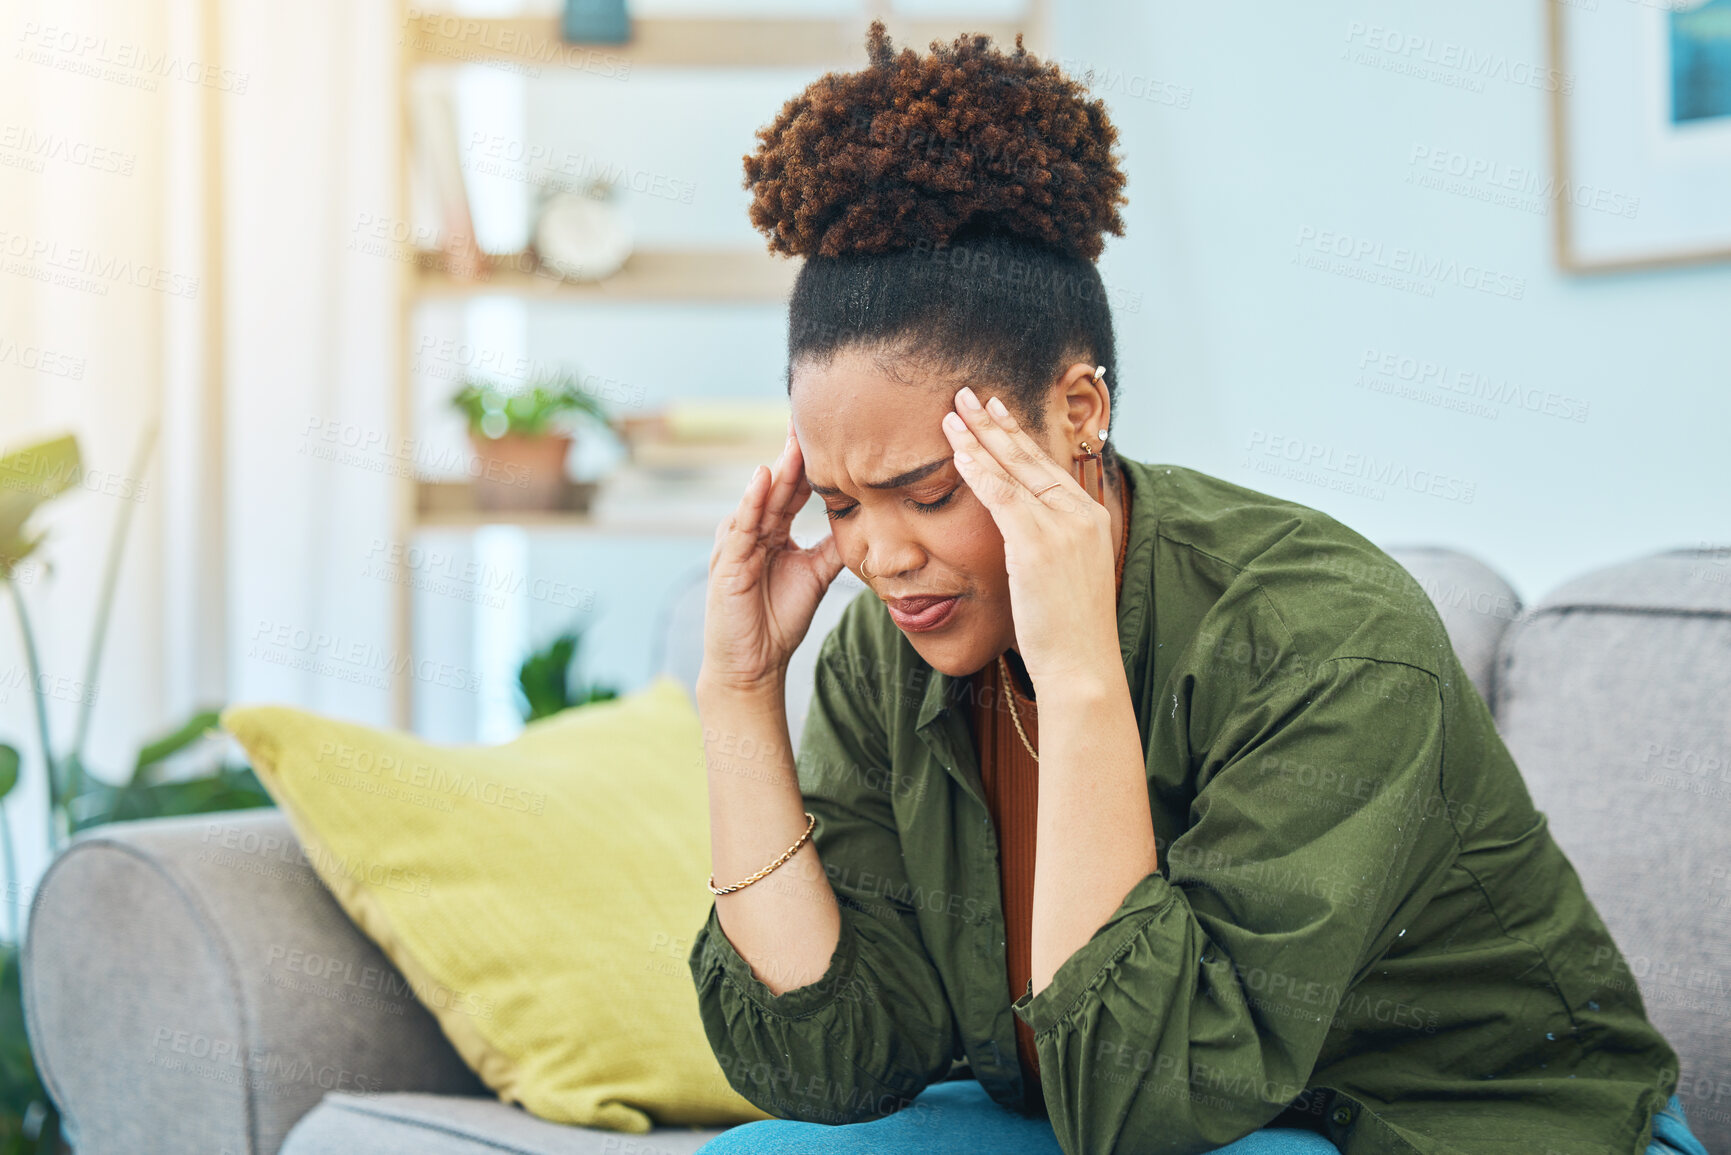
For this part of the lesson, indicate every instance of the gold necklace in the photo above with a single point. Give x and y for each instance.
(1010, 693)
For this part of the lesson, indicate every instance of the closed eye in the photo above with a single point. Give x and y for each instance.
(923, 507)
(937, 504)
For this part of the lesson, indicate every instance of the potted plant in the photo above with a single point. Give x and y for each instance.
(522, 438)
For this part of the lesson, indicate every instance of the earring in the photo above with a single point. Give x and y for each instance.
(1090, 471)
(1089, 466)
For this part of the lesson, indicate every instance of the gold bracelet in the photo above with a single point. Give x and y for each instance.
(811, 821)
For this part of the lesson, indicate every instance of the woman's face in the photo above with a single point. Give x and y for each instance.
(858, 428)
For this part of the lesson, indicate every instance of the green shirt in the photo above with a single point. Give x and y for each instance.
(1359, 923)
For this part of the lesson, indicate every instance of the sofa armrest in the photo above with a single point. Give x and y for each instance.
(190, 985)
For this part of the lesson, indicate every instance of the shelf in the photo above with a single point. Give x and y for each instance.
(672, 525)
(714, 275)
(668, 522)
(452, 505)
(684, 511)
(532, 46)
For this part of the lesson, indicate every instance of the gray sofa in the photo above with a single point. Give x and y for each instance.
(191, 987)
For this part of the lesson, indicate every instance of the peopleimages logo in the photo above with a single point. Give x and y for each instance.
(1362, 474)
(86, 269)
(1521, 187)
(1380, 370)
(1373, 257)
(134, 65)
(1444, 60)
(35, 148)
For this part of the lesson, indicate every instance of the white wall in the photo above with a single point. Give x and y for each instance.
(1241, 127)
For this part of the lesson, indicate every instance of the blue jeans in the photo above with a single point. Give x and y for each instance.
(1671, 1134)
(957, 1117)
(954, 1118)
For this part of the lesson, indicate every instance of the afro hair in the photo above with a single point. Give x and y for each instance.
(913, 150)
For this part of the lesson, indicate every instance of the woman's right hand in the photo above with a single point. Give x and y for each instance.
(763, 587)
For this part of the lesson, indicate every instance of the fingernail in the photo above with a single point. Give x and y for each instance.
(954, 422)
(968, 398)
(997, 407)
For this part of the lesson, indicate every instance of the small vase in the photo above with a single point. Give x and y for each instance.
(596, 22)
(521, 472)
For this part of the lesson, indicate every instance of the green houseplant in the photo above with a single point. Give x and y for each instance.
(76, 799)
(544, 681)
(522, 437)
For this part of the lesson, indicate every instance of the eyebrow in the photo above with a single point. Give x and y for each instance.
(918, 473)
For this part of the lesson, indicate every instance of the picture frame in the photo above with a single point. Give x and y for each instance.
(1641, 133)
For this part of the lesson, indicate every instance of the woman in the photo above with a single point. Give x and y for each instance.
(1151, 817)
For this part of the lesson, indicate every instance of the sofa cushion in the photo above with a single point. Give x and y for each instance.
(343, 1124)
(1614, 695)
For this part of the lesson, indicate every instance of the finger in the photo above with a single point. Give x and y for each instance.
(723, 531)
(826, 558)
(789, 493)
(739, 532)
(1003, 496)
(1019, 455)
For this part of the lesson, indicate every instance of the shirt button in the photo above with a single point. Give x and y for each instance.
(1342, 1115)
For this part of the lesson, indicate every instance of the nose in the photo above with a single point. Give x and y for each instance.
(888, 559)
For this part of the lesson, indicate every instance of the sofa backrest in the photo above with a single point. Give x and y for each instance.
(1475, 603)
(1614, 696)
(682, 641)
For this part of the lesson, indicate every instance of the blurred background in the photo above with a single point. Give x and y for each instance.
(413, 354)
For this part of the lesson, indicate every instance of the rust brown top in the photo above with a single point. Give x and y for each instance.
(1011, 780)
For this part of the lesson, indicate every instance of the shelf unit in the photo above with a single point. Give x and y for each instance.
(532, 47)
(532, 44)
(717, 275)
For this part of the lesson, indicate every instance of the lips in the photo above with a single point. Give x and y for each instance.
(922, 613)
(911, 606)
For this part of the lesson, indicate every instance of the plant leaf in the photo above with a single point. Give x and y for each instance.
(28, 477)
(231, 788)
(174, 742)
(9, 763)
(542, 678)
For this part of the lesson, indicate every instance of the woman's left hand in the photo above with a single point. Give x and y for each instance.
(1058, 547)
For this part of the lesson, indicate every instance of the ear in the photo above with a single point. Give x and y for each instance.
(1087, 404)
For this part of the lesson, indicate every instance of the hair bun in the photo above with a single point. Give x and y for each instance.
(914, 149)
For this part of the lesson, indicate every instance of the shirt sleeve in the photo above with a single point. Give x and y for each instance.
(1197, 1012)
(876, 1028)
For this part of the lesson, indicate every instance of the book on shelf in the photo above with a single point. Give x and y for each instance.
(434, 123)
